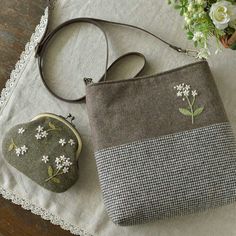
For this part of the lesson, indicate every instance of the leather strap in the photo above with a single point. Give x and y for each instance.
(40, 49)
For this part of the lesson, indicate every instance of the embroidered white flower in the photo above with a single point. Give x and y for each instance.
(44, 134)
(58, 160)
(21, 130)
(194, 93)
(67, 163)
(62, 142)
(18, 151)
(38, 136)
(59, 167)
(21, 150)
(187, 87)
(179, 94)
(71, 142)
(62, 167)
(179, 87)
(45, 159)
(185, 92)
(65, 170)
(62, 158)
(24, 149)
(40, 129)
(62, 162)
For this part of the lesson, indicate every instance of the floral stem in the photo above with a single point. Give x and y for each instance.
(191, 107)
(55, 175)
(13, 143)
(48, 130)
(193, 101)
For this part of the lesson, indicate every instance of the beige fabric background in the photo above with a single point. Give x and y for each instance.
(78, 53)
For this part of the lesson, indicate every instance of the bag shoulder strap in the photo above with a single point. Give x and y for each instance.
(41, 47)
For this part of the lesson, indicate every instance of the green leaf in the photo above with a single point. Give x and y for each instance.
(51, 125)
(185, 112)
(198, 111)
(177, 6)
(190, 35)
(11, 147)
(50, 171)
(56, 180)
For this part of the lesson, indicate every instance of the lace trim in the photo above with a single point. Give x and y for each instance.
(4, 97)
(21, 64)
(46, 215)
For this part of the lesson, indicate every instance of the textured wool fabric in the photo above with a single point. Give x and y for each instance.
(139, 109)
(172, 175)
(31, 164)
(72, 57)
(136, 109)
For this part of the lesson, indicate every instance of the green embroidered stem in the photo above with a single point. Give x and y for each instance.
(12, 146)
(191, 107)
(194, 97)
(56, 129)
(52, 127)
(55, 175)
(185, 92)
(13, 143)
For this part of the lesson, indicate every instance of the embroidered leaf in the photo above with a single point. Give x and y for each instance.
(11, 147)
(185, 112)
(50, 171)
(56, 180)
(198, 111)
(51, 125)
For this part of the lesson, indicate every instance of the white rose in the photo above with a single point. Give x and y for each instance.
(222, 13)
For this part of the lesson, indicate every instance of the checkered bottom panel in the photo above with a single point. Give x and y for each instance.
(170, 175)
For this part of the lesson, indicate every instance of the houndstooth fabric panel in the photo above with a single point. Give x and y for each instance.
(170, 175)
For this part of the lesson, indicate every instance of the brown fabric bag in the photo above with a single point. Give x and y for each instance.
(163, 144)
(157, 156)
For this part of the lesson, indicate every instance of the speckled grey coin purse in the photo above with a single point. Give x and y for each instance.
(163, 145)
(46, 150)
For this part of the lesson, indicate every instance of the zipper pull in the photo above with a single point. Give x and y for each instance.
(88, 81)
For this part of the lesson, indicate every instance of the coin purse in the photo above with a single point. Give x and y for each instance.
(46, 150)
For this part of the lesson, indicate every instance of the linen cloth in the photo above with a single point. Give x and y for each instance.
(78, 52)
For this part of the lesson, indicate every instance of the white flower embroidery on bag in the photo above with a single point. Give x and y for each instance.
(185, 92)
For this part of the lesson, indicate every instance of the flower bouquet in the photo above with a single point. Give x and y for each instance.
(207, 18)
